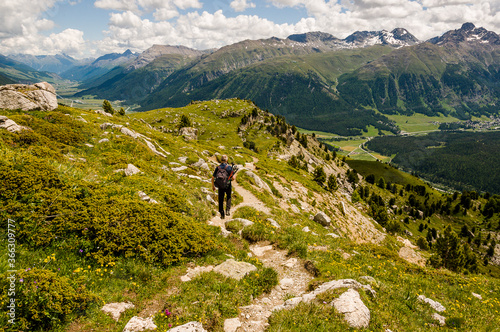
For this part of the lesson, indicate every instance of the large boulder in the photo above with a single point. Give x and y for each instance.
(10, 125)
(234, 269)
(356, 314)
(258, 181)
(322, 219)
(39, 96)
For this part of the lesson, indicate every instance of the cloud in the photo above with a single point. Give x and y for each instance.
(241, 5)
(125, 5)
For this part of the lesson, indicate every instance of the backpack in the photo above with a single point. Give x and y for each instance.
(221, 177)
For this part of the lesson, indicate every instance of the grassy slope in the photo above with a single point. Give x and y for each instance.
(135, 280)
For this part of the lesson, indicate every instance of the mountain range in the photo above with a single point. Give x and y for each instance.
(317, 81)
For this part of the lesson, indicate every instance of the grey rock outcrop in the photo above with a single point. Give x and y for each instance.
(196, 271)
(234, 269)
(356, 314)
(440, 319)
(232, 324)
(434, 304)
(258, 181)
(189, 327)
(244, 222)
(10, 125)
(39, 96)
(322, 219)
(116, 309)
(138, 324)
(189, 133)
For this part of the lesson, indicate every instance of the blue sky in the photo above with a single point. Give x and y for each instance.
(83, 28)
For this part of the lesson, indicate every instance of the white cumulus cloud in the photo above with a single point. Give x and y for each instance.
(241, 5)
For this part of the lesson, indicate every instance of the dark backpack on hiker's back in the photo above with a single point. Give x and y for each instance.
(221, 177)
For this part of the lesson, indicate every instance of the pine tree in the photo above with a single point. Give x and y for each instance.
(106, 106)
(319, 175)
(332, 182)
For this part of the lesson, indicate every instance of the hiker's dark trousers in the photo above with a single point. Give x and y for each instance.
(222, 192)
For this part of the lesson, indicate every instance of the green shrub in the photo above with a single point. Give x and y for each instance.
(43, 299)
(234, 226)
(262, 281)
(255, 233)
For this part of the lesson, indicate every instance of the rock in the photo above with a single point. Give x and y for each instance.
(39, 96)
(179, 169)
(104, 140)
(477, 295)
(356, 314)
(286, 283)
(234, 269)
(411, 256)
(294, 208)
(116, 309)
(273, 223)
(131, 170)
(440, 319)
(89, 145)
(129, 132)
(346, 255)
(258, 181)
(146, 198)
(434, 304)
(259, 251)
(244, 222)
(368, 279)
(194, 272)
(189, 133)
(333, 235)
(10, 125)
(322, 219)
(182, 159)
(137, 324)
(306, 229)
(81, 119)
(189, 327)
(232, 324)
(290, 263)
(103, 113)
(211, 200)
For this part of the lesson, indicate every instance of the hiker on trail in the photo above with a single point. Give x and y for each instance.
(222, 180)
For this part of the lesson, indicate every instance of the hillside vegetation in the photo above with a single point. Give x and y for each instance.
(88, 232)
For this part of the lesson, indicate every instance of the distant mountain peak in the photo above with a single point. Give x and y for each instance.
(468, 33)
(312, 36)
(396, 37)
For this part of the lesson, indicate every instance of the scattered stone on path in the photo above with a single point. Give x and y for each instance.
(259, 251)
(356, 314)
(232, 324)
(290, 263)
(286, 283)
(189, 327)
(322, 219)
(116, 309)
(434, 304)
(233, 269)
(196, 271)
(137, 324)
(440, 319)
